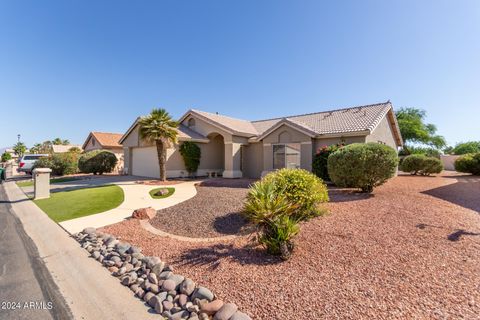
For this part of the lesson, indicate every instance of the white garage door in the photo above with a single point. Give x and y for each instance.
(145, 163)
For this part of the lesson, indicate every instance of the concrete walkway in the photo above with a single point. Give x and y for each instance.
(88, 288)
(136, 196)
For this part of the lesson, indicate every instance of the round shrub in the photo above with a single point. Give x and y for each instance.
(420, 164)
(301, 188)
(97, 162)
(468, 163)
(6, 156)
(362, 165)
(191, 154)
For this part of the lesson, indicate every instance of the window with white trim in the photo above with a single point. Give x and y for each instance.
(286, 155)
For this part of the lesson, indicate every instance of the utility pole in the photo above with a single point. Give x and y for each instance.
(18, 137)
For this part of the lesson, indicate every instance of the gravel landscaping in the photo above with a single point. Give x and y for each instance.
(411, 250)
(213, 212)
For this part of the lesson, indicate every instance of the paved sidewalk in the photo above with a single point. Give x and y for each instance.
(88, 288)
(136, 196)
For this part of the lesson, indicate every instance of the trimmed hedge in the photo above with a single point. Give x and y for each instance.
(191, 154)
(468, 163)
(420, 164)
(362, 165)
(97, 162)
(300, 187)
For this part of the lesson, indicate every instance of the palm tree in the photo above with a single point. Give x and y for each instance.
(159, 127)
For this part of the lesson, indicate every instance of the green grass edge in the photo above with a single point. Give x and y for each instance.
(170, 192)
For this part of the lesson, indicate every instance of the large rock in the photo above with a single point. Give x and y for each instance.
(151, 261)
(225, 312)
(187, 286)
(144, 213)
(240, 316)
(212, 307)
(89, 230)
(158, 268)
(169, 285)
(176, 278)
(122, 247)
(203, 293)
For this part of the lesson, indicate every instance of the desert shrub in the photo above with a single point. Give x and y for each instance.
(427, 151)
(6, 156)
(274, 216)
(60, 163)
(320, 161)
(362, 165)
(191, 154)
(468, 163)
(300, 187)
(420, 164)
(97, 162)
(467, 147)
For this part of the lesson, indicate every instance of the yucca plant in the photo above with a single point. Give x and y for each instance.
(274, 216)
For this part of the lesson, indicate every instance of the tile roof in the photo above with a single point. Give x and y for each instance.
(354, 119)
(108, 139)
(186, 133)
(244, 127)
(60, 148)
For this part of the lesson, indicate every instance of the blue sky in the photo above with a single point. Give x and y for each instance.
(70, 67)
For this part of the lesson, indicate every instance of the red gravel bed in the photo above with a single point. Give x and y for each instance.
(410, 251)
(212, 212)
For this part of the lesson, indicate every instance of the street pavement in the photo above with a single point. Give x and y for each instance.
(27, 290)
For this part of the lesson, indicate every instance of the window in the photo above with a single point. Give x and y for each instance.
(191, 122)
(286, 156)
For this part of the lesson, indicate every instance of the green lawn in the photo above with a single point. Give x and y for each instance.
(170, 192)
(66, 205)
(52, 181)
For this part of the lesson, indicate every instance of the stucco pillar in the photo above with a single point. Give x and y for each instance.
(41, 182)
(306, 153)
(267, 158)
(233, 160)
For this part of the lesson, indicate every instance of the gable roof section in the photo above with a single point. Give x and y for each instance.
(105, 139)
(184, 133)
(234, 126)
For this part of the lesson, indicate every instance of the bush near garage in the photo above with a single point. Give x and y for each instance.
(191, 154)
(362, 165)
(97, 162)
(468, 163)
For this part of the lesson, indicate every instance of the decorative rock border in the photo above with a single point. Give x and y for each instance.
(172, 296)
(145, 224)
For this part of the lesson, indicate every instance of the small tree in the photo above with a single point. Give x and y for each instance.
(191, 154)
(468, 163)
(159, 127)
(6, 156)
(414, 129)
(467, 147)
(320, 160)
(19, 149)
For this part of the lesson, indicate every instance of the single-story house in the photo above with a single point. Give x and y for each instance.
(237, 148)
(106, 141)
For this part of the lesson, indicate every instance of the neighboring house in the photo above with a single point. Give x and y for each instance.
(238, 148)
(106, 141)
(60, 148)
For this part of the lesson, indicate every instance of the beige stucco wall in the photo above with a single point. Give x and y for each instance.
(286, 134)
(383, 133)
(449, 161)
(253, 160)
(213, 155)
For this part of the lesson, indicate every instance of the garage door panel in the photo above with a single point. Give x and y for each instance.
(145, 163)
